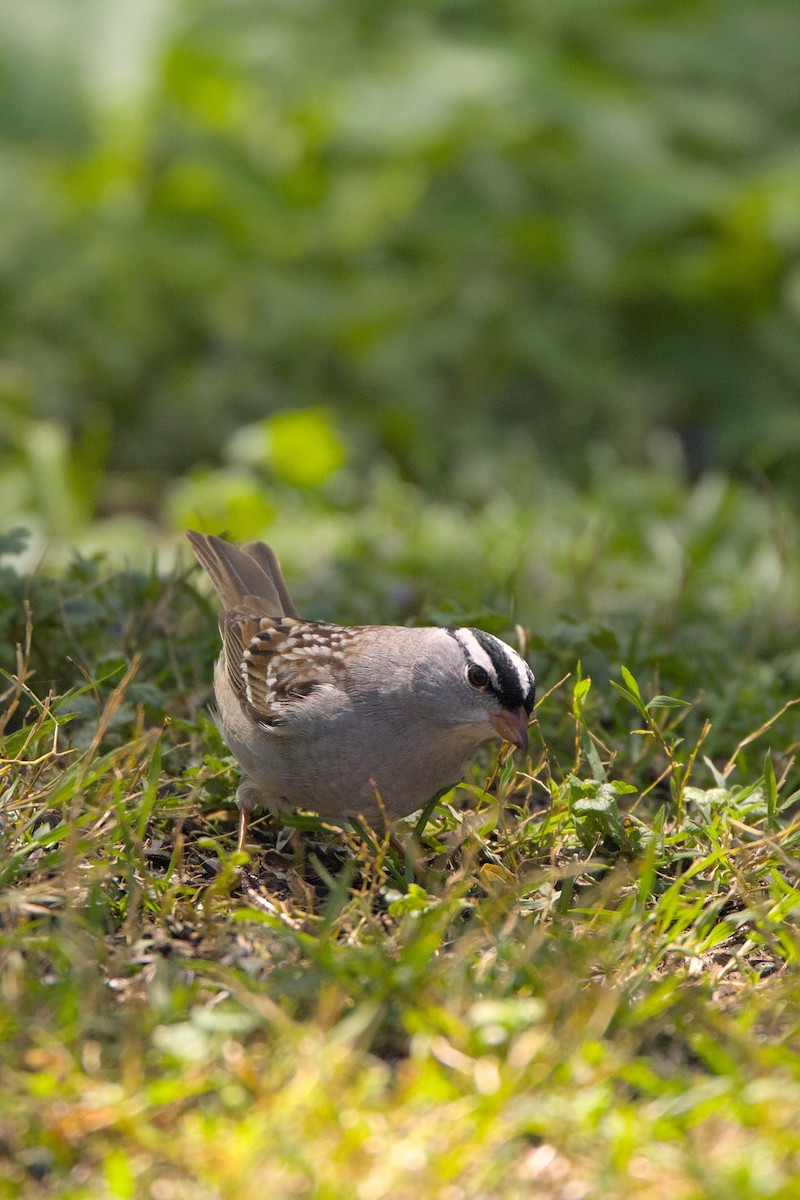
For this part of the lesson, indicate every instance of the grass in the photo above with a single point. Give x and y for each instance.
(582, 983)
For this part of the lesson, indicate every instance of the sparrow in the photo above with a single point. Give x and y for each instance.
(364, 721)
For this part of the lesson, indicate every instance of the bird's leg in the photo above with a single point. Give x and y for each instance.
(243, 818)
(298, 852)
(248, 797)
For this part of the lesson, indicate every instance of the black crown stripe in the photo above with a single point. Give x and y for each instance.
(509, 692)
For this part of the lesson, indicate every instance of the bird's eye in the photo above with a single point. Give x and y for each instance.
(477, 676)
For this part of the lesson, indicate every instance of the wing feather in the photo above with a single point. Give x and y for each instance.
(275, 661)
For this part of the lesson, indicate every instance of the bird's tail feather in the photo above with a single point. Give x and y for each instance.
(245, 577)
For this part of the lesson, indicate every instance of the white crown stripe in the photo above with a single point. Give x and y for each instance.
(476, 653)
(523, 671)
(495, 656)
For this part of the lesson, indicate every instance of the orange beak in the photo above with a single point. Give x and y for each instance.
(513, 726)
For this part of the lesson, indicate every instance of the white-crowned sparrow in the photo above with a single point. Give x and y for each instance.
(368, 720)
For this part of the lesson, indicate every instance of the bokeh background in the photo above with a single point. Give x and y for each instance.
(482, 312)
(323, 272)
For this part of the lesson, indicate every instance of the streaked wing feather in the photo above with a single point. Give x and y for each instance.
(272, 662)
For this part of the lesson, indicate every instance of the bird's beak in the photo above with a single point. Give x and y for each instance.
(513, 726)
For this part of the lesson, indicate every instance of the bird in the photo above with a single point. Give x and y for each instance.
(365, 721)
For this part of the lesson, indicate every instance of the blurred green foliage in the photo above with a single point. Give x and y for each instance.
(549, 223)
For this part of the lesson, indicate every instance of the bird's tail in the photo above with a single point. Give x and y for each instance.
(245, 577)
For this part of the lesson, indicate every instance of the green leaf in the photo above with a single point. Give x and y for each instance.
(302, 448)
(631, 684)
(771, 791)
(14, 541)
(580, 692)
(595, 811)
(232, 500)
(306, 449)
(415, 900)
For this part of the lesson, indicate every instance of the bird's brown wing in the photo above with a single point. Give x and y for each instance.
(272, 662)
